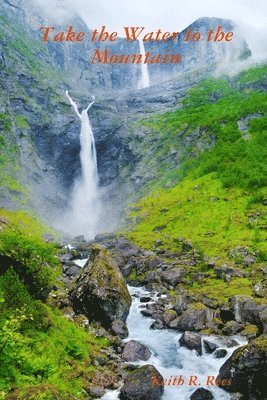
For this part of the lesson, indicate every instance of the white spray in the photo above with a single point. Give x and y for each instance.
(85, 201)
(145, 81)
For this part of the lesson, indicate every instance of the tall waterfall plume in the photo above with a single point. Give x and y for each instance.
(85, 200)
(144, 81)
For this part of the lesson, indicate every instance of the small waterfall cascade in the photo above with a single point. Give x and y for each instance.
(85, 201)
(169, 357)
(144, 81)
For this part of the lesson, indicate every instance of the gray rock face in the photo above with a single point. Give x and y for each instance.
(195, 320)
(135, 351)
(246, 370)
(49, 144)
(209, 347)
(119, 328)
(173, 276)
(100, 291)
(191, 341)
(244, 309)
(143, 384)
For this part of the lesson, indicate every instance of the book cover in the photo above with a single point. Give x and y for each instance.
(133, 200)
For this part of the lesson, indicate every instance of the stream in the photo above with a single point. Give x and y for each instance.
(169, 358)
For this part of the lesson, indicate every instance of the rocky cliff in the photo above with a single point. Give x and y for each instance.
(41, 132)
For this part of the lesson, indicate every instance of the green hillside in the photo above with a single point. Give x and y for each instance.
(216, 197)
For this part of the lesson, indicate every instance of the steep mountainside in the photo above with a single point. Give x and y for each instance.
(39, 126)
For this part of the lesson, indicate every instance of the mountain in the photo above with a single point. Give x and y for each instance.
(41, 129)
(182, 171)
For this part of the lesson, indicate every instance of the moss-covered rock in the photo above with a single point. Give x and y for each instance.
(100, 291)
(246, 370)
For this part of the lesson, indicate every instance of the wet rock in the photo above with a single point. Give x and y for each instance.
(246, 370)
(96, 391)
(229, 342)
(119, 328)
(173, 276)
(191, 341)
(135, 351)
(209, 347)
(64, 258)
(141, 384)
(145, 299)
(157, 324)
(220, 353)
(100, 291)
(195, 319)
(201, 394)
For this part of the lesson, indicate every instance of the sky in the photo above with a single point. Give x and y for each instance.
(169, 15)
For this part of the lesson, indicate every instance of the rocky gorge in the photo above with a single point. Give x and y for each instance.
(171, 302)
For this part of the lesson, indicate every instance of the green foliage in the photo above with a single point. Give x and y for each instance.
(36, 259)
(203, 136)
(253, 75)
(56, 359)
(208, 91)
(212, 153)
(5, 123)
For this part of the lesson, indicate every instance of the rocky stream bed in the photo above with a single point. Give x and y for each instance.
(165, 342)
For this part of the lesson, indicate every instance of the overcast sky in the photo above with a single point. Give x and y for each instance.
(170, 15)
(167, 14)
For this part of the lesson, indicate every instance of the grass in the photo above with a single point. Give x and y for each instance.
(211, 178)
(214, 218)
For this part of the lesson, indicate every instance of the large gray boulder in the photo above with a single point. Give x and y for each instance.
(143, 384)
(191, 341)
(246, 370)
(100, 291)
(173, 276)
(194, 319)
(135, 351)
(244, 309)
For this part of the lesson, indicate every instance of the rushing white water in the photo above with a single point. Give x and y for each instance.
(85, 202)
(144, 81)
(169, 358)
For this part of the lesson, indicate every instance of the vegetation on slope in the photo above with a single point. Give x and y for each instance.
(43, 355)
(216, 194)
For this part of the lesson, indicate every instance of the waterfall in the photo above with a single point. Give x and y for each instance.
(144, 81)
(85, 201)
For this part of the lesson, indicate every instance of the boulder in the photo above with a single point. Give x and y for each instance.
(242, 255)
(201, 394)
(244, 309)
(119, 328)
(225, 272)
(209, 347)
(100, 291)
(246, 370)
(220, 353)
(173, 276)
(191, 341)
(194, 319)
(180, 305)
(231, 328)
(143, 384)
(135, 351)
